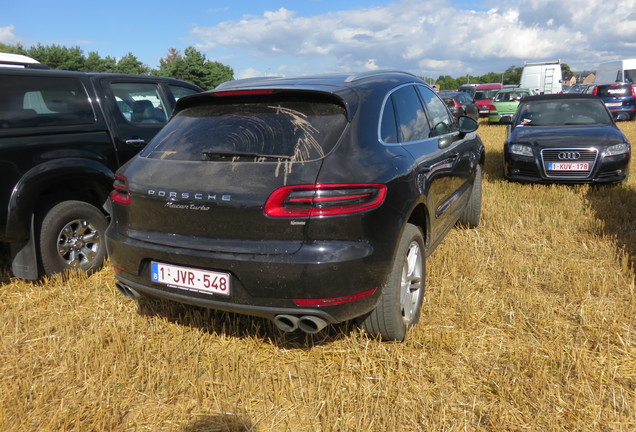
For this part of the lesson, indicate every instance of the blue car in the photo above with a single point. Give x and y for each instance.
(619, 98)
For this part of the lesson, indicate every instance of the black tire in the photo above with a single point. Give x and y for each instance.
(471, 215)
(402, 296)
(72, 237)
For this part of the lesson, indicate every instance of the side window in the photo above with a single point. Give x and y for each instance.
(388, 128)
(140, 102)
(178, 92)
(43, 101)
(441, 119)
(412, 122)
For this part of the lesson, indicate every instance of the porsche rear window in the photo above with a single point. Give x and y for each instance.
(263, 130)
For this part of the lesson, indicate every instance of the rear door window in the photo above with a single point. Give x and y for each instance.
(283, 128)
(140, 102)
(43, 101)
(412, 122)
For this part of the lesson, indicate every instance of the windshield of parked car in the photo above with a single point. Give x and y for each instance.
(562, 112)
(290, 129)
(486, 94)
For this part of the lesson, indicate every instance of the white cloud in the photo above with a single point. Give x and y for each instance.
(429, 37)
(7, 35)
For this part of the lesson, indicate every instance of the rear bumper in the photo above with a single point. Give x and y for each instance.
(263, 285)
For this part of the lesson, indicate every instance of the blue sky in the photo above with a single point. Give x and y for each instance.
(268, 37)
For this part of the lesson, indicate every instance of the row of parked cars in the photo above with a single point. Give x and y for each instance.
(496, 100)
(308, 201)
(570, 138)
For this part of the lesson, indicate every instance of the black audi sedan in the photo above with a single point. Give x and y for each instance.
(307, 201)
(565, 138)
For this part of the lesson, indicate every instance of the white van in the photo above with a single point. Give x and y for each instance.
(11, 60)
(542, 77)
(616, 71)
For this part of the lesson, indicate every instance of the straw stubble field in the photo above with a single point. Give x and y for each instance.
(528, 324)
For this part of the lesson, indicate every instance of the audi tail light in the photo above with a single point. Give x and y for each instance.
(121, 191)
(324, 200)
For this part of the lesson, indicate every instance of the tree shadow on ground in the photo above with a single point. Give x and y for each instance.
(240, 326)
(614, 205)
(222, 422)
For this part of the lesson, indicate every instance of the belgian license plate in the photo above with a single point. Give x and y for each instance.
(571, 166)
(614, 104)
(191, 279)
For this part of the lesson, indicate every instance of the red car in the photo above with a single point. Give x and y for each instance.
(484, 94)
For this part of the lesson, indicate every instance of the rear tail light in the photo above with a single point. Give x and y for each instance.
(324, 200)
(595, 91)
(457, 104)
(492, 108)
(633, 90)
(121, 191)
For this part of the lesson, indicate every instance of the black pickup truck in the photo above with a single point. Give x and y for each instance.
(62, 136)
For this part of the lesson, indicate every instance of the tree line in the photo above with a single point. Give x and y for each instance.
(194, 67)
(191, 66)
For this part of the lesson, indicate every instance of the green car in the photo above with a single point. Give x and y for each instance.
(505, 103)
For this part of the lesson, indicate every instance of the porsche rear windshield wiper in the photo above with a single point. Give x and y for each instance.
(234, 156)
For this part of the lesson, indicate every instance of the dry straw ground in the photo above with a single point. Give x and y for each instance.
(528, 325)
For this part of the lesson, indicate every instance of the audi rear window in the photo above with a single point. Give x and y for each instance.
(269, 129)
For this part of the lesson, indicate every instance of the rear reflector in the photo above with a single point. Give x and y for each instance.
(334, 300)
(324, 200)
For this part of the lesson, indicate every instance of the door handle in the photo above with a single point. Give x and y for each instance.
(136, 142)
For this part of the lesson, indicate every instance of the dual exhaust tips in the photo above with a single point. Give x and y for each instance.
(307, 323)
(288, 323)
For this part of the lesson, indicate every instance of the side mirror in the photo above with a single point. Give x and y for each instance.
(467, 124)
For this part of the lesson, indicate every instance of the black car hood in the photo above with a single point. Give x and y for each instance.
(575, 136)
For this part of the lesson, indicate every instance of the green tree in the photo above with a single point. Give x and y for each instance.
(512, 75)
(58, 57)
(565, 70)
(129, 64)
(446, 82)
(94, 63)
(195, 68)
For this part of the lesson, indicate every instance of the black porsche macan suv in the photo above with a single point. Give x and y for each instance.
(308, 201)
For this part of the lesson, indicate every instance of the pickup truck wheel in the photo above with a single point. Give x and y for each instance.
(72, 237)
(401, 300)
(471, 216)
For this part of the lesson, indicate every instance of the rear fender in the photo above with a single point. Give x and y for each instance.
(57, 179)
